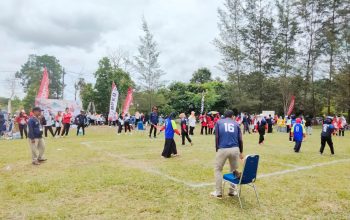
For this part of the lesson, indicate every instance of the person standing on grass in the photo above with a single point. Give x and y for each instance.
(229, 145)
(48, 122)
(120, 123)
(204, 123)
(308, 125)
(341, 125)
(170, 129)
(192, 122)
(35, 134)
(67, 116)
(298, 133)
(153, 120)
(81, 121)
(22, 121)
(211, 124)
(184, 129)
(127, 123)
(261, 129)
(326, 135)
(58, 123)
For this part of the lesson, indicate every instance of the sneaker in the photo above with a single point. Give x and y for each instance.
(174, 155)
(42, 160)
(35, 162)
(218, 196)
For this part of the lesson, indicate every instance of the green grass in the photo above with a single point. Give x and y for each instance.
(104, 176)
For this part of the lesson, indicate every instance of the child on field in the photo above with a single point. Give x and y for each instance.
(298, 133)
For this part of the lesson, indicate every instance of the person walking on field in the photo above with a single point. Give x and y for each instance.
(67, 116)
(170, 129)
(81, 121)
(58, 123)
(298, 133)
(192, 122)
(22, 121)
(184, 129)
(35, 134)
(229, 145)
(153, 120)
(326, 135)
(261, 129)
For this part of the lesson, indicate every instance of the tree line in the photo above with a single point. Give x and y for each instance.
(271, 51)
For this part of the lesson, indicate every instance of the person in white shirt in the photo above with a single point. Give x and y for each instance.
(192, 122)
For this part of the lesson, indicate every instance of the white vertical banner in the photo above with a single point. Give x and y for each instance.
(202, 104)
(114, 102)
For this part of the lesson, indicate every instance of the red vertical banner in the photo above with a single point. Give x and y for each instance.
(128, 101)
(291, 105)
(43, 92)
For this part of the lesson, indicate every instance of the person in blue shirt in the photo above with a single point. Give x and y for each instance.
(298, 133)
(326, 135)
(153, 120)
(229, 145)
(35, 135)
(170, 129)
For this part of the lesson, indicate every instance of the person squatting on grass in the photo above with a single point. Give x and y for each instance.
(229, 145)
(170, 129)
(35, 134)
(298, 132)
(326, 135)
(184, 129)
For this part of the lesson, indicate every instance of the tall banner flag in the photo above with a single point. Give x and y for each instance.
(43, 92)
(114, 102)
(202, 104)
(291, 105)
(127, 101)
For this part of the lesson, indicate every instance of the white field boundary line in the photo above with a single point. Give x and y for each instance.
(132, 163)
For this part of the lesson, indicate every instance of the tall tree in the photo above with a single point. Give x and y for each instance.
(229, 41)
(202, 75)
(257, 36)
(105, 75)
(283, 50)
(31, 73)
(147, 65)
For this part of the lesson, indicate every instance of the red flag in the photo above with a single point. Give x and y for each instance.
(43, 92)
(127, 101)
(291, 105)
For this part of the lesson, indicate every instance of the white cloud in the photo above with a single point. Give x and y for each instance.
(80, 32)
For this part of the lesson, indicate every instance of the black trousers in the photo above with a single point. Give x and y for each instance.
(57, 131)
(120, 128)
(49, 128)
(297, 146)
(261, 137)
(210, 130)
(65, 130)
(82, 126)
(154, 129)
(191, 130)
(23, 128)
(290, 136)
(341, 132)
(185, 135)
(169, 148)
(246, 128)
(269, 128)
(206, 130)
(127, 127)
(327, 140)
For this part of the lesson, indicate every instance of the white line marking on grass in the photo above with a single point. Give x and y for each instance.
(143, 166)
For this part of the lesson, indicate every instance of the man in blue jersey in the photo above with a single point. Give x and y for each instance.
(298, 133)
(326, 135)
(229, 145)
(153, 120)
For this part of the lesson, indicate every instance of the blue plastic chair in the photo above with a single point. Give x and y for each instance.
(248, 177)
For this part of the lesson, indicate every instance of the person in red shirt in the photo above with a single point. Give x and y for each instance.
(204, 123)
(22, 121)
(211, 124)
(67, 116)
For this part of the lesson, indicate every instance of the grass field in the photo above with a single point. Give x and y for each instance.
(104, 176)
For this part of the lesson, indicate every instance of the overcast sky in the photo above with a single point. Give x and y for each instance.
(80, 32)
